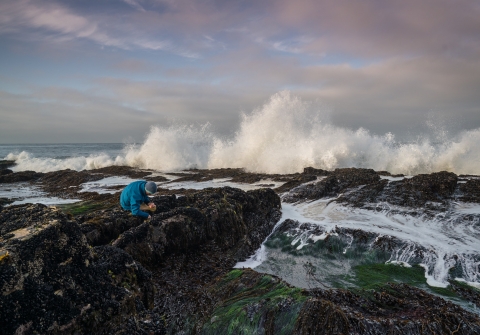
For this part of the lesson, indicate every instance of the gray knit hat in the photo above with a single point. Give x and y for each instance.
(151, 187)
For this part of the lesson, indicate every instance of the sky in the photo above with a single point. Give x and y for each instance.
(106, 71)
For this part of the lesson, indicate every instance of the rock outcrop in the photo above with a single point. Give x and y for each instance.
(61, 274)
(52, 281)
(99, 270)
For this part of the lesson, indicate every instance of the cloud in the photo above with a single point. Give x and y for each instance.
(369, 28)
(377, 28)
(57, 23)
(380, 65)
(135, 4)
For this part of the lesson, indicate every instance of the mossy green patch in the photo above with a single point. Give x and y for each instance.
(254, 304)
(82, 207)
(369, 276)
(465, 286)
(234, 274)
(374, 277)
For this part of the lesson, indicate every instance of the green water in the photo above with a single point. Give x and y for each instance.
(335, 263)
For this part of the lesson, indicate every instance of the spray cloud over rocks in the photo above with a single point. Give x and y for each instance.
(285, 135)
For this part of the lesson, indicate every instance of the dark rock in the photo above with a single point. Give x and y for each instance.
(386, 173)
(5, 171)
(53, 282)
(368, 194)
(20, 177)
(229, 217)
(396, 309)
(65, 182)
(103, 227)
(263, 304)
(128, 171)
(23, 216)
(316, 172)
(87, 273)
(5, 201)
(295, 182)
(467, 292)
(417, 191)
(336, 182)
(5, 164)
(470, 191)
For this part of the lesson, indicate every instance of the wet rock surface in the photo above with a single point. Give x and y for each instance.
(332, 185)
(92, 268)
(363, 187)
(88, 274)
(394, 309)
(6, 164)
(470, 191)
(256, 303)
(16, 177)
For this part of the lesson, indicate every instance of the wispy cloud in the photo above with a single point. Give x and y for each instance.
(135, 4)
(58, 23)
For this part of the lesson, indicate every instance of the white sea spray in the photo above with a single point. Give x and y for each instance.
(284, 135)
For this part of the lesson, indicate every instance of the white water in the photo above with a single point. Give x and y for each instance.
(283, 136)
(444, 237)
(219, 183)
(24, 193)
(26, 161)
(104, 185)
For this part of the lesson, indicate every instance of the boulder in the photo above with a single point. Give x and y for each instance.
(52, 281)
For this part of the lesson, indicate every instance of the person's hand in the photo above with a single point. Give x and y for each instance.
(151, 205)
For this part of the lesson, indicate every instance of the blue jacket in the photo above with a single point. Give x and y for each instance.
(133, 196)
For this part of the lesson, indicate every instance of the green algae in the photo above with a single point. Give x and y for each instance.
(370, 276)
(83, 207)
(267, 303)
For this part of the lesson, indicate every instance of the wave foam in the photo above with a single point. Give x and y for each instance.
(25, 161)
(283, 136)
(288, 134)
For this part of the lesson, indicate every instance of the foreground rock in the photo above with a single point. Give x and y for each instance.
(54, 281)
(98, 270)
(253, 303)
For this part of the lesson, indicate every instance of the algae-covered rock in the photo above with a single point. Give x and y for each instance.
(59, 273)
(247, 302)
(234, 220)
(21, 176)
(53, 282)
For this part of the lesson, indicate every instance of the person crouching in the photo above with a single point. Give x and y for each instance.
(135, 198)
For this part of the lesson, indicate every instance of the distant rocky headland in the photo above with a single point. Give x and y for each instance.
(91, 268)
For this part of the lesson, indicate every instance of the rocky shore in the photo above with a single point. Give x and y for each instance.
(92, 268)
